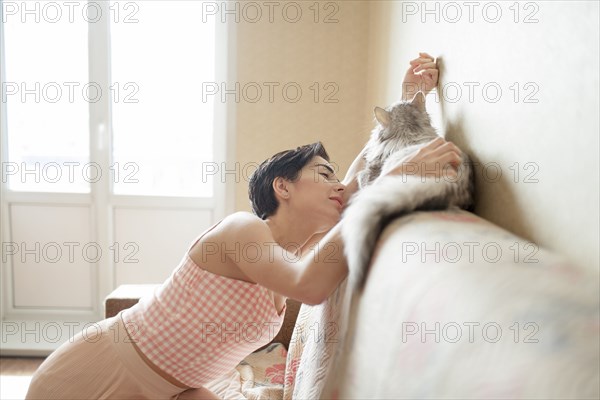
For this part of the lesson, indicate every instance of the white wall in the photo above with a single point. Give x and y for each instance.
(366, 53)
(557, 135)
(331, 51)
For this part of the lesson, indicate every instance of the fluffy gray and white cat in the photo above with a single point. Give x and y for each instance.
(403, 127)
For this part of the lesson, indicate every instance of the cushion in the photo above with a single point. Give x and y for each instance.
(259, 376)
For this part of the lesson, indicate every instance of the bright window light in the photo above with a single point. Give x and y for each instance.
(46, 102)
(161, 53)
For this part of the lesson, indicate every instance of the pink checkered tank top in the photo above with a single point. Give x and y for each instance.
(198, 326)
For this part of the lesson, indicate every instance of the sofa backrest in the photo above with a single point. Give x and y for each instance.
(455, 306)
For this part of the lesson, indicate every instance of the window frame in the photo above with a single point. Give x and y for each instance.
(101, 198)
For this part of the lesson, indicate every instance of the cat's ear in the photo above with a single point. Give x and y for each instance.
(419, 101)
(382, 116)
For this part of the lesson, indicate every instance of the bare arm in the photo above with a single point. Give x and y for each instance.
(325, 266)
(350, 181)
(309, 279)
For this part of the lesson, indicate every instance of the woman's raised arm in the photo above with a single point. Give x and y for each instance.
(350, 181)
(422, 75)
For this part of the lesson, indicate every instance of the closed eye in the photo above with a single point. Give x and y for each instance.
(328, 177)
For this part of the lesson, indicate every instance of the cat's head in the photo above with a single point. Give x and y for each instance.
(406, 121)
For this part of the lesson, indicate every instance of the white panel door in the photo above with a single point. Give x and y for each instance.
(53, 257)
(145, 255)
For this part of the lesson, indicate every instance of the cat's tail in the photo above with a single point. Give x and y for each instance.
(371, 209)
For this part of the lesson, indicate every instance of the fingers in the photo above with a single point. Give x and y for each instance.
(441, 153)
(430, 75)
(434, 144)
(438, 158)
(446, 147)
(440, 141)
(423, 58)
(431, 66)
(447, 153)
(450, 158)
(423, 70)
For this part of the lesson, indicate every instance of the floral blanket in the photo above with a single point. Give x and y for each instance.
(258, 377)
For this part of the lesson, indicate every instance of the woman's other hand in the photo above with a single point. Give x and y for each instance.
(437, 158)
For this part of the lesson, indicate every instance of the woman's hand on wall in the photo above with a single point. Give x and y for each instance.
(415, 80)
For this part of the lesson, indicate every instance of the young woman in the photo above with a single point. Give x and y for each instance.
(227, 296)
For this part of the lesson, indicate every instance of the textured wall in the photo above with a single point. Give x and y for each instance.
(302, 53)
(536, 139)
(550, 130)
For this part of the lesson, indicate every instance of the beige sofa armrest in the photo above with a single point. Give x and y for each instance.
(124, 297)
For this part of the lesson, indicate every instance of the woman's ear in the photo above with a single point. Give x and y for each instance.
(280, 187)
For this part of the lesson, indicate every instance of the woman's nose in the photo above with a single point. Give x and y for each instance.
(340, 187)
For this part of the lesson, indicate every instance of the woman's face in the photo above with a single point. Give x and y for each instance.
(317, 193)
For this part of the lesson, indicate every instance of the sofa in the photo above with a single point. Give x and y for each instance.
(453, 307)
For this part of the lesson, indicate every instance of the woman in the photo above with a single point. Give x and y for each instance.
(227, 296)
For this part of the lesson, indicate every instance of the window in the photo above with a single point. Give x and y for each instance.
(162, 129)
(160, 53)
(47, 114)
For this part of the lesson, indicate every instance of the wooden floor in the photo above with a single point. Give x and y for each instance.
(19, 365)
(15, 376)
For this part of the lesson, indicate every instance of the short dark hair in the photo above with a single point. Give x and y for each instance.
(285, 164)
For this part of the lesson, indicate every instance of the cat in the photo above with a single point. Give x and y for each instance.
(402, 128)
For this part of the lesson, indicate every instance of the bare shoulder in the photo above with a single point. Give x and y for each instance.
(244, 226)
(223, 246)
(241, 217)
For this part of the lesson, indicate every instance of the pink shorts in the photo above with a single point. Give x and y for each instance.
(99, 363)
